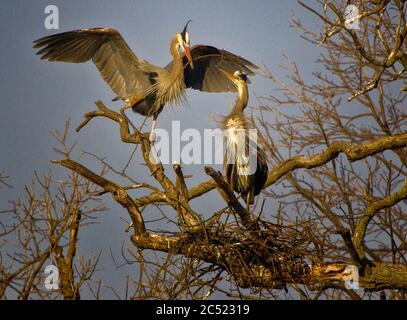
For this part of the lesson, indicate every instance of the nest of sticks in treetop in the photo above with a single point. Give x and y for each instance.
(275, 248)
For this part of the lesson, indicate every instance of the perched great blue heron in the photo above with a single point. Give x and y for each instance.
(243, 180)
(145, 87)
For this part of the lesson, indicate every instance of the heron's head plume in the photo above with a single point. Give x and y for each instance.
(184, 33)
(183, 43)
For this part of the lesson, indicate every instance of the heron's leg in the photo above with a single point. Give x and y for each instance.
(152, 132)
(122, 111)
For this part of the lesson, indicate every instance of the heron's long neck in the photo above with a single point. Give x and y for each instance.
(172, 85)
(177, 70)
(242, 99)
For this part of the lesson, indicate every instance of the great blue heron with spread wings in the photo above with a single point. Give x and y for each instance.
(145, 87)
(245, 163)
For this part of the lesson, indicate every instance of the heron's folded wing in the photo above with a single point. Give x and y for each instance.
(206, 74)
(117, 63)
(261, 174)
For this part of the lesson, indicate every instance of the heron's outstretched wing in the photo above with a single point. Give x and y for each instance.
(117, 63)
(206, 74)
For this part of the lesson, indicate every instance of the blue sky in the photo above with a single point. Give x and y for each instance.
(38, 96)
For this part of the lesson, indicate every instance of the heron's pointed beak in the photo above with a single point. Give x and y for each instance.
(229, 75)
(188, 55)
